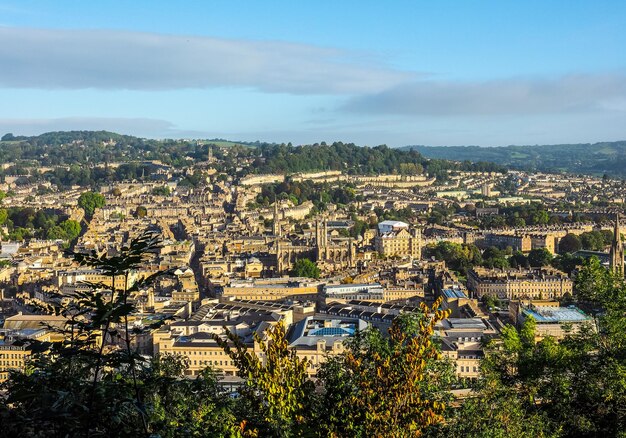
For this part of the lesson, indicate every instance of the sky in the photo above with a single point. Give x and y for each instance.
(486, 73)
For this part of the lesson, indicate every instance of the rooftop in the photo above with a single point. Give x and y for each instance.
(544, 315)
(454, 293)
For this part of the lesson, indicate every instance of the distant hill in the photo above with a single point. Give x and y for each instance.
(594, 159)
(85, 147)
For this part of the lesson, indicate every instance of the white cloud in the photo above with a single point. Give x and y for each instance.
(112, 59)
(515, 96)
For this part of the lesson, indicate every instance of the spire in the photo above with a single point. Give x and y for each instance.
(616, 233)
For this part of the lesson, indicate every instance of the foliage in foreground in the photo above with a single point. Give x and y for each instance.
(381, 385)
(572, 388)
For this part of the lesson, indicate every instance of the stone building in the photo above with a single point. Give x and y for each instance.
(538, 283)
(397, 239)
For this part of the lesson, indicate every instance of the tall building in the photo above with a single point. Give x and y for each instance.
(616, 254)
(276, 226)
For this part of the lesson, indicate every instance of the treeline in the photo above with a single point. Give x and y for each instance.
(299, 192)
(597, 158)
(86, 148)
(89, 147)
(462, 257)
(352, 159)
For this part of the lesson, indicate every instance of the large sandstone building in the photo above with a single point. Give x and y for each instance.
(544, 283)
(397, 239)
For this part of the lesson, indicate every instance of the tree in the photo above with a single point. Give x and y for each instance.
(567, 262)
(570, 243)
(82, 386)
(593, 281)
(72, 229)
(491, 301)
(495, 258)
(161, 191)
(141, 211)
(306, 268)
(89, 201)
(518, 259)
(277, 390)
(387, 386)
(458, 257)
(539, 257)
(571, 388)
(593, 240)
(540, 217)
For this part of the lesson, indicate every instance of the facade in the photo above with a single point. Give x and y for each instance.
(397, 239)
(16, 348)
(273, 290)
(461, 341)
(518, 243)
(343, 293)
(543, 283)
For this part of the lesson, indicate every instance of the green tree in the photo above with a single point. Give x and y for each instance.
(540, 217)
(141, 211)
(392, 385)
(539, 257)
(570, 243)
(495, 258)
(277, 391)
(89, 201)
(56, 233)
(82, 385)
(306, 268)
(593, 240)
(518, 259)
(72, 228)
(568, 388)
(459, 257)
(594, 281)
(567, 262)
(161, 191)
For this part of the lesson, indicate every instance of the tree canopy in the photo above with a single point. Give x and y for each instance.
(89, 201)
(306, 268)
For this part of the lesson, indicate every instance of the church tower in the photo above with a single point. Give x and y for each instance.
(320, 239)
(276, 228)
(616, 254)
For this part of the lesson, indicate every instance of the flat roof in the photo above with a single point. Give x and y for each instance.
(454, 293)
(556, 314)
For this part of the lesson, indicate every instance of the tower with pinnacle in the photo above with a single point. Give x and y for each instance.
(277, 228)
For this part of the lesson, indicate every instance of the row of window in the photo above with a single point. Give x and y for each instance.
(11, 355)
(214, 362)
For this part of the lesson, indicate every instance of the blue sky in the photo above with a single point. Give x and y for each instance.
(370, 72)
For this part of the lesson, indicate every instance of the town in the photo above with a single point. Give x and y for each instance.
(327, 253)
